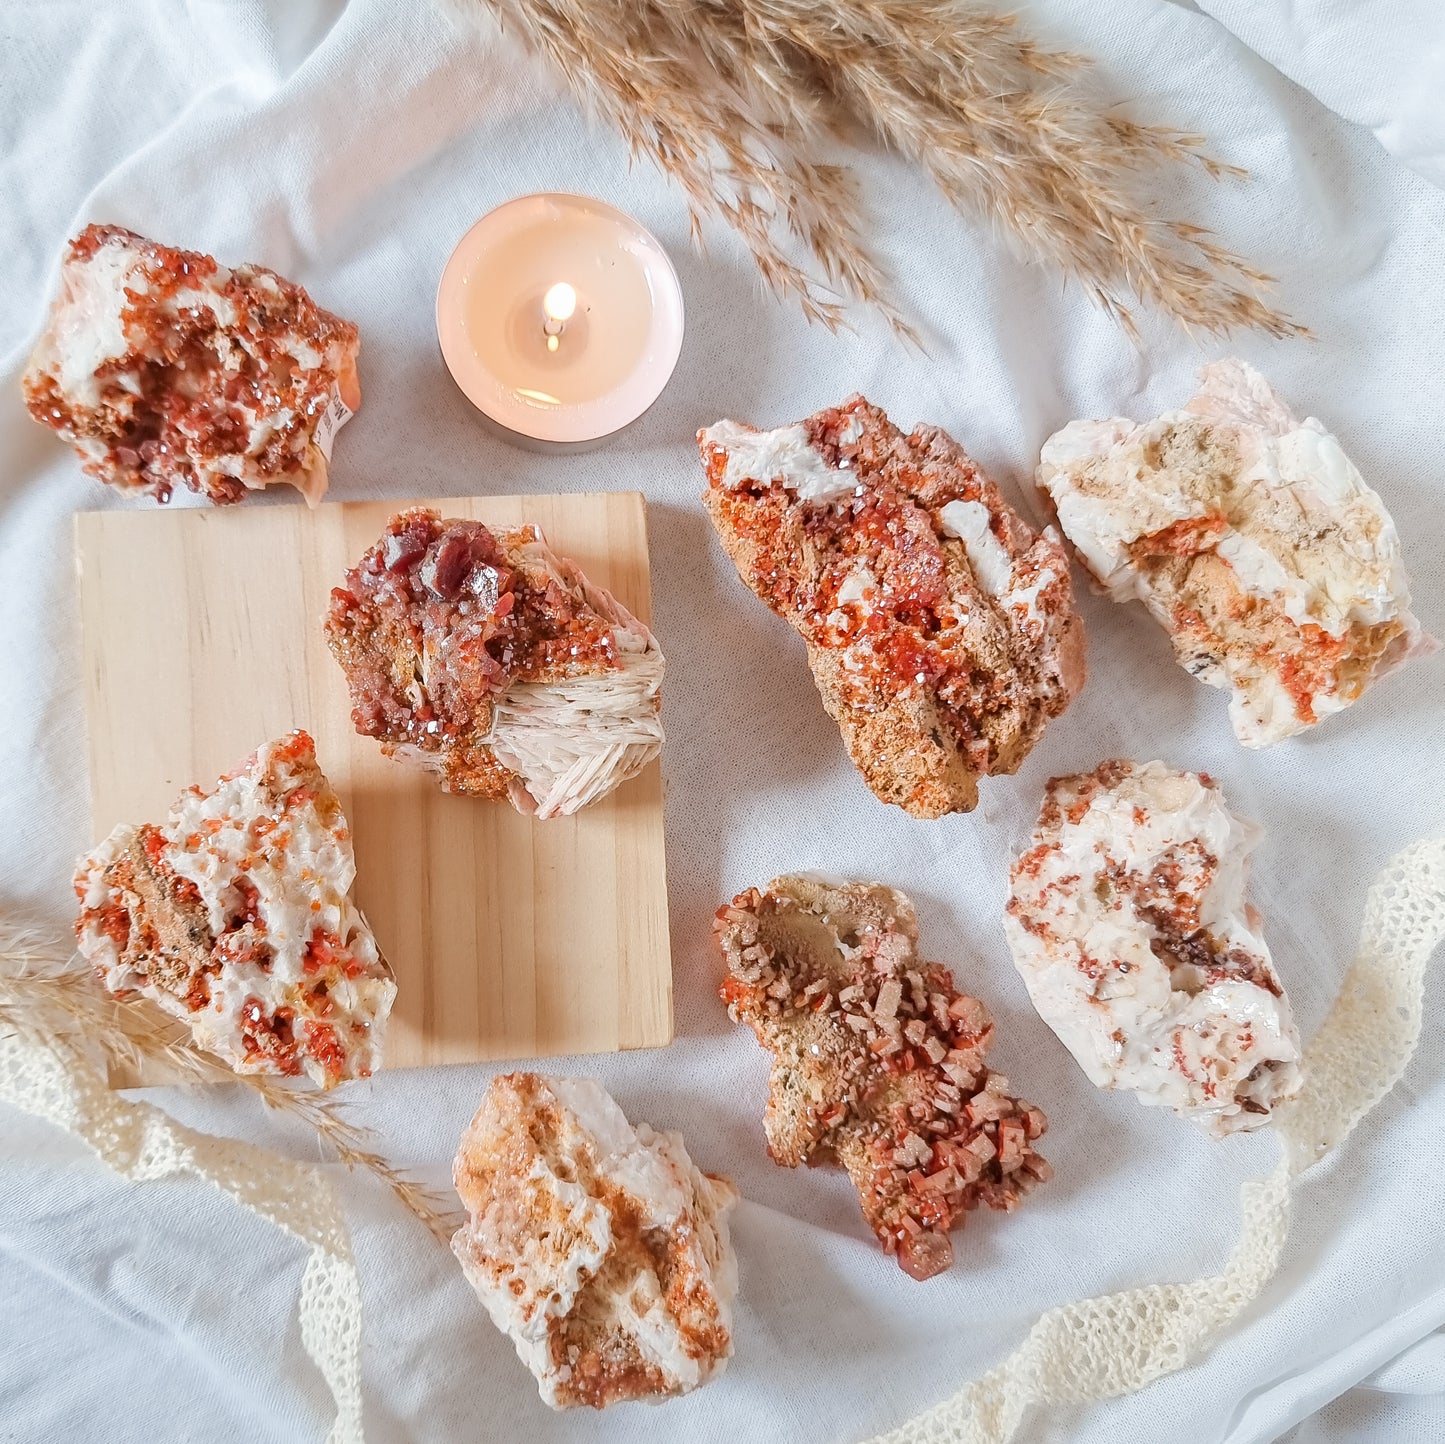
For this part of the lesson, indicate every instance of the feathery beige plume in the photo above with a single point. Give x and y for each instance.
(737, 99)
(44, 997)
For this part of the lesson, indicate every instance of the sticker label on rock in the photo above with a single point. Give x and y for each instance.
(336, 415)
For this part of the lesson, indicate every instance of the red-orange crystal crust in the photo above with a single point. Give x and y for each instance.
(940, 627)
(164, 368)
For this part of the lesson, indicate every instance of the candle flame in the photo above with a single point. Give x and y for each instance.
(560, 302)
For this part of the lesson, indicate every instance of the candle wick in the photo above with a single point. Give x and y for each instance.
(557, 307)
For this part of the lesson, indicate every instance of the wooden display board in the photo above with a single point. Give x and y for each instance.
(510, 938)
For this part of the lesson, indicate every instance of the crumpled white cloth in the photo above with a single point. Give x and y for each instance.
(1402, 1402)
(53, 1080)
(349, 147)
(1380, 63)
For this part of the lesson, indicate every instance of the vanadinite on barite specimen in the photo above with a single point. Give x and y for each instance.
(1252, 539)
(486, 658)
(1128, 923)
(235, 916)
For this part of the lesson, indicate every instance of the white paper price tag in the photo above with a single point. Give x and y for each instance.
(336, 415)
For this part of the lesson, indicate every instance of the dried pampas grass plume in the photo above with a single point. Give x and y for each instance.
(735, 99)
(45, 998)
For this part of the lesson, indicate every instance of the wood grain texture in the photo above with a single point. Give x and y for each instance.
(510, 938)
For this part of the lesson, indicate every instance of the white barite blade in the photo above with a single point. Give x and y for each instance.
(573, 742)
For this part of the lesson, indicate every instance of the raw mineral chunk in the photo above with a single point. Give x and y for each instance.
(940, 627)
(1252, 539)
(597, 1247)
(878, 1061)
(234, 916)
(1128, 922)
(164, 368)
(496, 664)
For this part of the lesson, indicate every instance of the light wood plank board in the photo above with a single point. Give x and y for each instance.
(510, 938)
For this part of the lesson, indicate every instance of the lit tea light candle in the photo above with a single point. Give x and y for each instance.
(561, 320)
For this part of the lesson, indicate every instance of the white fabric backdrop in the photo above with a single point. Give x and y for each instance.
(349, 146)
